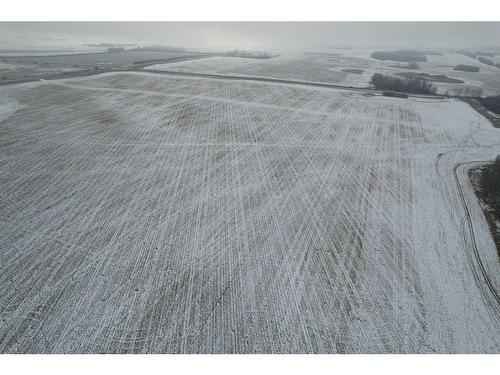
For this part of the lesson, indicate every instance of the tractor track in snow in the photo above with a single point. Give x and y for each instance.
(489, 292)
(157, 214)
(368, 90)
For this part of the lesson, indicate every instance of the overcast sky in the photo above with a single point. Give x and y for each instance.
(253, 35)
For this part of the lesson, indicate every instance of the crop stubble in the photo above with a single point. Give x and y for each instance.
(144, 213)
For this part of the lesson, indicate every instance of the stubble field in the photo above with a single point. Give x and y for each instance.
(331, 68)
(148, 213)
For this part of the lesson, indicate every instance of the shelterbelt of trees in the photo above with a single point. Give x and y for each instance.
(402, 55)
(492, 103)
(409, 84)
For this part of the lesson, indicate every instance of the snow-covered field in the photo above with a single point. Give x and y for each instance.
(35, 66)
(301, 67)
(330, 69)
(148, 213)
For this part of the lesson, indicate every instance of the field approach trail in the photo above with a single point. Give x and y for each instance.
(491, 293)
(158, 213)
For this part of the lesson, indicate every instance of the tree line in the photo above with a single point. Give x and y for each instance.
(409, 85)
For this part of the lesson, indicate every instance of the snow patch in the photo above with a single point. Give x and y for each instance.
(8, 107)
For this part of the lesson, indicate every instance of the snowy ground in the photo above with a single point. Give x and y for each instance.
(34, 67)
(301, 67)
(330, 69)
(148, 213)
